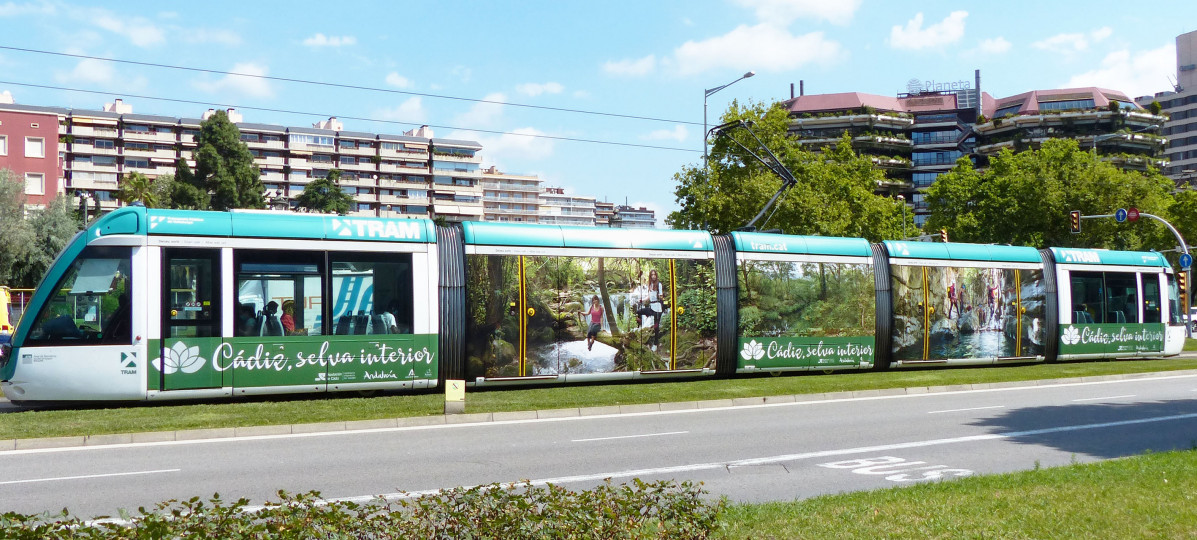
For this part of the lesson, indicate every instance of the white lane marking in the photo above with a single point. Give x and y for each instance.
(1103, 398)
(791, 457)
(968, 409)
(631, 436)
(86, 476)
(122, 446)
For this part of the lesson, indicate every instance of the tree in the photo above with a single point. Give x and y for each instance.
(225, 175)
(18, 233)
(324, 195)
(54, 226)
(833, 197)
(1024, 199)
(136, 187)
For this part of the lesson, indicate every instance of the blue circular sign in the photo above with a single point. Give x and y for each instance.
(1186, 261)
(1120, 215)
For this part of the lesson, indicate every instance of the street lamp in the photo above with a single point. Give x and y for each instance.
(707, 94)
(902, 200)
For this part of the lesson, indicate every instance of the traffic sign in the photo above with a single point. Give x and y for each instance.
(1120, 215)
(1132, 214)
(1186, 261)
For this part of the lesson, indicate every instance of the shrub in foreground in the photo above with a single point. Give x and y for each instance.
(661, 509)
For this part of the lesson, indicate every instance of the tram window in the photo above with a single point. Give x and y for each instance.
(1122, 305)
(90, 304)
(371, 293)
(279, 294)
(1151, 298)
(1088, 302)
(1175, 313)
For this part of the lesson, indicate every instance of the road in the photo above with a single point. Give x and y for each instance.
(750, 453)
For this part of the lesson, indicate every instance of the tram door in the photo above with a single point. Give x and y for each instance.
(913, 310)
(191, 318)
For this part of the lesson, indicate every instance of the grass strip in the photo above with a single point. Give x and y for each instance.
(338, 408)
(1150, 496)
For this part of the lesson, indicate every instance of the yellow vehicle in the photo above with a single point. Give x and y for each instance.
(5, 311)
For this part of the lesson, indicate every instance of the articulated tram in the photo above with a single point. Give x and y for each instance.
(153, 304)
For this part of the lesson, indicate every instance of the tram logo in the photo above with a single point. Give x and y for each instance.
(752, 351)
(1071, 336)
(129, 363)
(180, 357)
(376, 228)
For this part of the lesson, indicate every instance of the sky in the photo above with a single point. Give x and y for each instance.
(603, 99)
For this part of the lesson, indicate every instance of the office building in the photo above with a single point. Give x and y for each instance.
(1180, 106)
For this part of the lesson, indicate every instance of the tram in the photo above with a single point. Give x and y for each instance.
(151, 304)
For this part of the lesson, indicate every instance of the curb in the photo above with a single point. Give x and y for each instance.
(475, 418)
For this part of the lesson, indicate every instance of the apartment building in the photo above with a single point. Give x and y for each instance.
(603, 213)
(919, 135)
(86, 152)
(560, 208)
(630, 217)
(510, 197)
(1180, 106)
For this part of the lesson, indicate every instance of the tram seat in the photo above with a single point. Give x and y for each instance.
(257, 324)
(271, 326)
(377, 326)
(360, 323)
(1115, 317)
(344, 323)
(1082, 317)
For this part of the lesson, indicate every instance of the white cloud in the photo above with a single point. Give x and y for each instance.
(397, 80)
(761, 48)
(783, 12)
(13, 9)
(253, 85)
(208, 35)
(321, 40)
(678, 133)
(482, 115)
(581, 94)
(88, 71)
(518, 146)
(6, 97)
(1071, 43)
(536, 89)
(461, 72)
(139, 30)
(996, 45)
(410, 111)
(1138, 74)
(914, 37)
(632, 67)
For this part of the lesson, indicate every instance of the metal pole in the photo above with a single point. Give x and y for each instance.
(706, 94)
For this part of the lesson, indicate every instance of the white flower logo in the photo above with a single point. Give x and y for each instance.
(752, 351)
(1071, 336)
(180, 358)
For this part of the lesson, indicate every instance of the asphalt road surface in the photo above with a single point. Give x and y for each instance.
(768, 452)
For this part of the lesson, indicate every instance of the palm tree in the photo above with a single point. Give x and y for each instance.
(137, 187)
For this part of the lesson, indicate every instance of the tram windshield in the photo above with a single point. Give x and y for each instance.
(90, 304)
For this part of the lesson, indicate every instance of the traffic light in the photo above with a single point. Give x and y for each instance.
(943, 235)
(1074, 221)
(1182, 283)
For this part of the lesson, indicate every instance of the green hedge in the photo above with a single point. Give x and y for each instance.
(661, 509)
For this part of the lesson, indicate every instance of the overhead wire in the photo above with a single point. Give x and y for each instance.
(348, 117)
(342, 85)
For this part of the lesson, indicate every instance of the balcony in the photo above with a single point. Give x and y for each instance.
(500, 186)
(850, 120)
(366, 197)
(882, 141)
(359, 181)
(359, 167)
(90, 167)
(91, 149)
(401, 184)
(272, 161)
(92, 131)
(149, 136)
(357, 151)
(151, 154)
(418, 154)
(396, 199)
(273, 176)
(260, 144)
(511, 212)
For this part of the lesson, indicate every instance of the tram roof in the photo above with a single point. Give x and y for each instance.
(961, 252)
(262, 224)
(754, 242)
(510, 234)
(1109, 257)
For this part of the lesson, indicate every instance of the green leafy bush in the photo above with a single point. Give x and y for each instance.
(660, 509)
